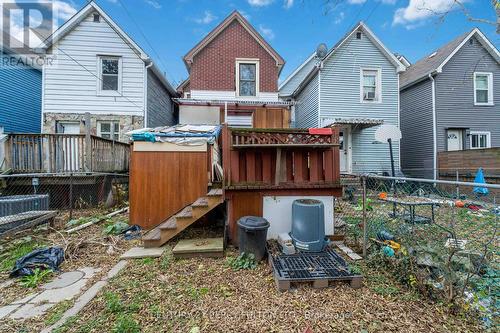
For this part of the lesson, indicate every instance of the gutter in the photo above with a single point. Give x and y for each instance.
(434, 129)
(146, 93)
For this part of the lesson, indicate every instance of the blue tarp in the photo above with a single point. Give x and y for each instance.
(44, 258)
(151, 136)
(480, 180)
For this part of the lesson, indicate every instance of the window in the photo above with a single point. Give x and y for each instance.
(483, 88)
(479, 140)
(370, 85)
(97, 18)
(109, 130)
(109, 75)
(247, 77)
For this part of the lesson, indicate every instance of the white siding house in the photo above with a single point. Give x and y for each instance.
(94, 67)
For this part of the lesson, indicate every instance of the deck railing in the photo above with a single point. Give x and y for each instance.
(279, 158)
(54, 153)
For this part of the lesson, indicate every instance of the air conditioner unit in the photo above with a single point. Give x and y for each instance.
(369, 95)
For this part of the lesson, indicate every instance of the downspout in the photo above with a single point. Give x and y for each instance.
(148, 66)
(434, 129)
(225, 112)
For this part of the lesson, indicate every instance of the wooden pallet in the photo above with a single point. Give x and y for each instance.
(182, 219)
(284, 285)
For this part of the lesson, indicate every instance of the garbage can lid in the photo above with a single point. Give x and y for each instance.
(253, 223)
(307, 202)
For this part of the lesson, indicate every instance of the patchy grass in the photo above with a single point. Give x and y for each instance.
(205, 295)
(16, 251)
(57, 312)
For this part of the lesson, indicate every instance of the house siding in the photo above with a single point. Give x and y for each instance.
(20, 98)
(71, 82)
(214, 67)
(417, 151)
(340, 97)
(289, 88)
(455, 95)
(306, 107)
(161, 111)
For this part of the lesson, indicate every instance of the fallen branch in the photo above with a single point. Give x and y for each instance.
(88, 224)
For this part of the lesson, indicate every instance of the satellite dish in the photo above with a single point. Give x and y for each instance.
(321, 51)
(386, 132)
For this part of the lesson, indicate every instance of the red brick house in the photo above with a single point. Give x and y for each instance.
(233, 78)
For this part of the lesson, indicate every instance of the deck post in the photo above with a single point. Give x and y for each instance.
(3, 154)
(88, 144)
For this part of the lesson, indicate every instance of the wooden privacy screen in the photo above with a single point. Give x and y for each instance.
(284, 158)
(162, 183)
(271, 118)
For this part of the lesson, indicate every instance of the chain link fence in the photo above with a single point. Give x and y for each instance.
(438, 237)
(28, 200)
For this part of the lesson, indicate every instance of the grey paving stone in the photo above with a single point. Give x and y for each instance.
(60, 294)
(140, 252)
(80, 303)
(25, 299)
(31, 310)
(89, 271)
(7, 309)
(64, 280)
(116, 269)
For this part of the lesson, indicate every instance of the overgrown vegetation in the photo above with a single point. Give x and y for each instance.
(243, 261)
(34, 280)
(9, 253)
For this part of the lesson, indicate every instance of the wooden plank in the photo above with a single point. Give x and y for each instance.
(266, 166)
(350, 253)
(277, 173)
(329, 165)
(250, 166)
(299, 171)
(315, 166)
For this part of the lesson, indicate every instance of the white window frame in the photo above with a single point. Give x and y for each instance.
(252, 61)
(378, 85)
(111, 127)
(488, 139)
(101, 92)
(490, 89)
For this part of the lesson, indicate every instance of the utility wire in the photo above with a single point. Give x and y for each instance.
(146, 39)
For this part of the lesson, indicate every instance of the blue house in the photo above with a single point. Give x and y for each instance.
(20, 94)
(354, 86)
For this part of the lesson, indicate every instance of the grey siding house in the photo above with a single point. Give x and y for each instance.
(355, 87)
(450, 100)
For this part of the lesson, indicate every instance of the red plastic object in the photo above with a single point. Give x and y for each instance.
(321, 131)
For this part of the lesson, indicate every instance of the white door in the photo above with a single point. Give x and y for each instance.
(455, 140)
(344, 150)
(69, 146)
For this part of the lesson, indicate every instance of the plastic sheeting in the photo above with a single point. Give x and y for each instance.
(44, 258)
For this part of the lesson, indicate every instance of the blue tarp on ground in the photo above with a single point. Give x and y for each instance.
(44, 258)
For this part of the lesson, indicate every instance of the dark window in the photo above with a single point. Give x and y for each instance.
(358, 35)
(110, 73)
(97, 18)
(247, 80)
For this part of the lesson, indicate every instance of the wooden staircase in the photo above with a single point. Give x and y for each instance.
(183, 219)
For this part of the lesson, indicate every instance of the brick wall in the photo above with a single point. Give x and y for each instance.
(214, 66)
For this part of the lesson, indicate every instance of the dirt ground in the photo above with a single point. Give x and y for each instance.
(206, 295)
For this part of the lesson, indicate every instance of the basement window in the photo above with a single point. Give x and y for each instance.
(108, 130)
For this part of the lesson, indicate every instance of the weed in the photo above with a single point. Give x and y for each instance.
(197, 293)
(126, 324)
(57, 312)
(243, 261)
(148, 261)
(115, 228)
(165, 261)
(33, 280)
(66, 326)
(386, 290)
(113, 302)
(8, 259)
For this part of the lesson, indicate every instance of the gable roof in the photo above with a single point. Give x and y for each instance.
(234, 16)
(92, 7)
(306, 76)
(374, 39)
(434, 62)
(292, 82)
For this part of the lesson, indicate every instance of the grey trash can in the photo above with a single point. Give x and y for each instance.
(252, 232)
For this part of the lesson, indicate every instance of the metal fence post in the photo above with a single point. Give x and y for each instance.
(71, 196)
(363, 180)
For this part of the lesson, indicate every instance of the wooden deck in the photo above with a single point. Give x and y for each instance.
(64, 153)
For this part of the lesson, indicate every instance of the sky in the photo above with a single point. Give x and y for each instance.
(168, 29)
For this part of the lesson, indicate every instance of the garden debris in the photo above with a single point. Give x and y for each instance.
(350, 253)
(116, 228)
(132, 232)
(45, 258)
(94, 221)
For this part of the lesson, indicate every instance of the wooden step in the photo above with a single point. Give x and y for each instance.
(186, 213)
(152, 235)
(200, 203)
(215, 192)
(169, 224)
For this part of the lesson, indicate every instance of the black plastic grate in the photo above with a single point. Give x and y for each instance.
(311, 266)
